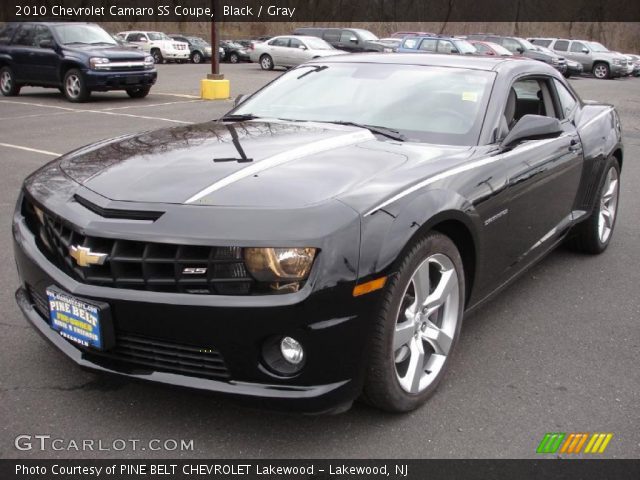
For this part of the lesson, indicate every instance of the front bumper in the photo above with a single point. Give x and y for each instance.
(175, 55)
(331, 325)
(107, 80)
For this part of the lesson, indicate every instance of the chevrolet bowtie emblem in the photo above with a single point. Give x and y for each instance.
(85, 257)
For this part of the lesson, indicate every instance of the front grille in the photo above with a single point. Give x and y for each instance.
(160, 267)
(148, 353)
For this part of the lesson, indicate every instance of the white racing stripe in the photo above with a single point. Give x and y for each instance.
(34, 150)
(350, 138)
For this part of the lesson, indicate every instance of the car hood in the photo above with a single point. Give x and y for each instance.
(255, 163)
(115, 52)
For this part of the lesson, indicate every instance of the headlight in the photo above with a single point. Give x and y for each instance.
(99, 62)
(282, 267)
(148, 61)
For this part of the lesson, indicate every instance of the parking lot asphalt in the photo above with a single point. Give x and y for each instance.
(558, 351)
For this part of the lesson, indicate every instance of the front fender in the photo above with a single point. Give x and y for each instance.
(387, 232)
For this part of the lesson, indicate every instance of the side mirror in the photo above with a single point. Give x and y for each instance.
(532, 127)
(353, 40)
(520, 50)
(46, 44)
(302, 47)
(142, 39)
(239, 99)
(585, 50)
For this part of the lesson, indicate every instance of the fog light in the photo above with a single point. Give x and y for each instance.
(291, 350)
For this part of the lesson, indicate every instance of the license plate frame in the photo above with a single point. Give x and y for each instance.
(86, 323)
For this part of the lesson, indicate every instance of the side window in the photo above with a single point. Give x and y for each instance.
(428, 45)
(279, 42)
(348, 37)
(6, 33)
(561, 45)
(331, 36)
(133, 37)
(25, 36)
(497, 40)
(511, 45)
(409, 43)
(483, 49)
(445, 46)
(567, 101)
(529, 96)
(295, 43)
(577, 47)
(42, 33)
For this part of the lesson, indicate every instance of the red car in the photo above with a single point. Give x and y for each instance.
(490, 48)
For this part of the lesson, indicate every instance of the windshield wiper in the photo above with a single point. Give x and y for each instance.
(319, 68)
(239, 117)
(102, 43)
(76, 43)
(384, 131)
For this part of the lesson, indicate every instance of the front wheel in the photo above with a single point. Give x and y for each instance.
(417, 326)
(139, 92)
(157, 56)
(601, 71)
(594, 234)
(8, 85)
(233, 58)
(266, 62)
(196, 57)
(75, 87)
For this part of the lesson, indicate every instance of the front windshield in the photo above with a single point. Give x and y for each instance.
(425, 104)
(598, 47)
(83, 34)
(464, 47)
(157, 36)
(317, 44)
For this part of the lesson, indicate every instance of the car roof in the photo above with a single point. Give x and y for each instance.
(473, 62)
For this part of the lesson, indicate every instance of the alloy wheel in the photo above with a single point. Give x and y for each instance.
(6, 82)
(426, 323)
(197, 58)
(73, 86)
(600, 71)
(608, 205)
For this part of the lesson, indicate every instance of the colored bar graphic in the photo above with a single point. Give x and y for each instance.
(573, 442)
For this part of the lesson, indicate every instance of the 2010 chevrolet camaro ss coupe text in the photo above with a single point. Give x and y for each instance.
(322, 240)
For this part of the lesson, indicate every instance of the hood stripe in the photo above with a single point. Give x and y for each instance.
(350, 138)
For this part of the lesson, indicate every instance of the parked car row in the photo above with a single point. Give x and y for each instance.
(570, 57)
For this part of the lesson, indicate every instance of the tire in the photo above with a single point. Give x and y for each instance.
(594, 234)
(567, 74)
(233, 58)
(75, 86)
(266, 62)
(601, 71)
(196, 57)
(157, 56)
(400, 335)
(139, 92)
(8, 85)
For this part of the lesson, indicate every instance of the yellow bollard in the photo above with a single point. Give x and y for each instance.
(214, 89)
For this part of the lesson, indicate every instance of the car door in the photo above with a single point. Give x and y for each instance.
(278, 48)
(348, 41)
(297, 52)
(44, 59)
(21, 49)
(579, 52)
(543, 175)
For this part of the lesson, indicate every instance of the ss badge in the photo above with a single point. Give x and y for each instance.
(194, 271)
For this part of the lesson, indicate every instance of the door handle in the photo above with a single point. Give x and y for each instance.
(574, 145)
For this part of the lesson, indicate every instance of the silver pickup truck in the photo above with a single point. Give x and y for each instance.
(594, 57)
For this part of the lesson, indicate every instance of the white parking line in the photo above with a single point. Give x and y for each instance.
(34, 150)
(151, 105)
(182, 95)
(81, 110)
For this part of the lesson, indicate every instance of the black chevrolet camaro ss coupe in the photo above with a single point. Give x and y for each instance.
(322, 241)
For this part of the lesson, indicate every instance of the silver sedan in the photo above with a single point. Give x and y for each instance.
(290, 51)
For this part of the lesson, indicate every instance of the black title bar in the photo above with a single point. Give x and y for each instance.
(322, 10)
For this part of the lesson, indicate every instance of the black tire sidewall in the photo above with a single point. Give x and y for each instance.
(382, 387)
(262, 58)
(15, 88)
(196, 56)
(592, 226)
(233, 58)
